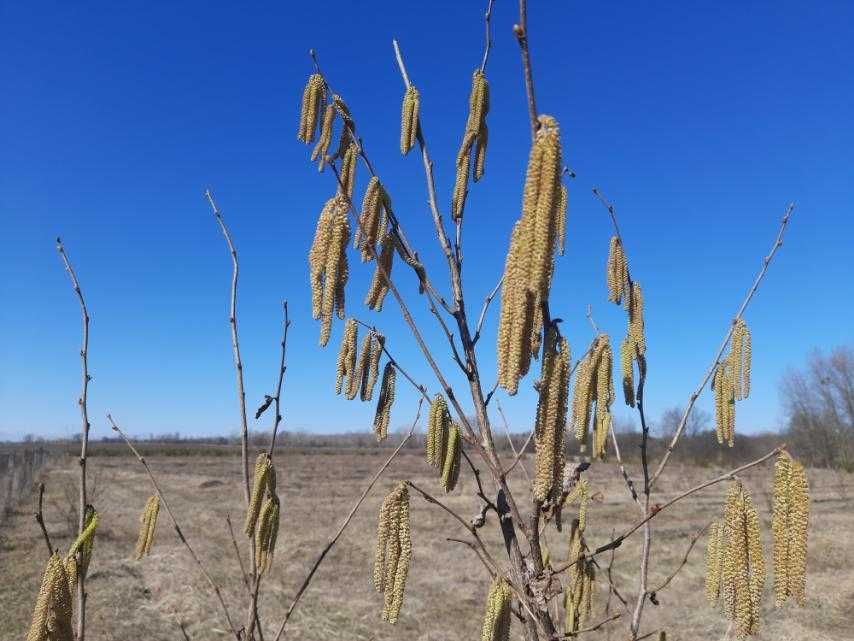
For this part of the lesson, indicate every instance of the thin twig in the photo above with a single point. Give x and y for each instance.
(488, 46)
(778, 242)
(237, 552)
(38, 514)
(329, 545)
(521, 32)
(517, 455)
(487, 301)
(593, 628)
(177, 527)
(682, 563)
(84, 435)
(286, 323)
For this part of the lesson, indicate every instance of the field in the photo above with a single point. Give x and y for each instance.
(149, 599)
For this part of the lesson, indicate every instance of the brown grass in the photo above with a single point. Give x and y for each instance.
(130, 600)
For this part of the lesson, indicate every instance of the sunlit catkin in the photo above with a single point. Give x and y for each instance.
(382, 272)
(360, 371)
(627, 370)
(617, 272)
(563, 204)
(496, 617)
(84, 543)
(529, 263)
(347, 174)
(604, 397)
(578, 593)
(267, 533)
(147, 526)
(739, 359)
(372, 223)
(369, 378)
(321, 149)
(724, 404)
(312, 102)
(438, 424)
(346, 362)
(328, 264)
(384, 402)
(550, 425)
(475, 140)
(453, 455)
(580, 492)
(715, 551)
(260, 482)
(636, 331)
(409, 119)
(393, 551)
(789, 525)
(53, 610)
(743, 569)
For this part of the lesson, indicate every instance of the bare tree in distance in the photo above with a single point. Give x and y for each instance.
(699, 420)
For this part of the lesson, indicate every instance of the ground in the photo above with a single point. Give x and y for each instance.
(149, 599)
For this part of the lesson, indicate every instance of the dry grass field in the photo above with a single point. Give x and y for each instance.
(131, 600)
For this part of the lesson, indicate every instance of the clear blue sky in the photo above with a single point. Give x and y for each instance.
(699, 121)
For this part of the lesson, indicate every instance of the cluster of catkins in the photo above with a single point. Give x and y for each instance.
(262, 514)
(578, 595)
(147, 527)
(496, 618)
(360, 370)
(475, 138)
(443, 444)
(594, 394)
(394, 551)
(530, 260)
(731, 382)
(789, 524)
(550, 425)
(52, 615)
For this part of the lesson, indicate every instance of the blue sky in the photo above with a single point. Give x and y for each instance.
(700, 121)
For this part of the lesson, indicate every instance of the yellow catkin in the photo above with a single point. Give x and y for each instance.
(147, 526)
(636, 325)
(743, 569)
(617, 272)
(267, 533)
(580, 492)
(461, 181)
(582, 396)
(370, 376)
(379, 283)
(393, 551)
(724, 404)
(328, 264)
(346, 362)
(550, 425)
(739, 359)
(321, 149)
(529, 263)
(627, 370)
(578, 594)
(453, 456)
(789, 525)
(384, 402)
(53, 610)
(604, 397)
(372, 220)
(84, 543)
(263, 467)
(347, 174)
(715, 551)
(475, 137)
(496, 618)
(438, 425)
(360, 371)
(409, 119)
(312, 102)
(563, 204)
(480, 153)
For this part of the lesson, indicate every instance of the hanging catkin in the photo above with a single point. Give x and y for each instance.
(147, 525)
(328, 264)
(789, 525)
(550, 425)
(266, 533)
(261, 481)
(312, 101)
(475, 136)
(393, 551)
(580, 492)
(409, 119)
(347, 175)
(563, 203)
(715, 551)
(724, 404)
(742, 573)
(360, 370)
(373, 219)
(453, 454)
(84, 543)
(578, 594)
(529, 263)
(739, 359)
(384, 402)
(53, 610)
(438, 425)
(382, 272)
(346, 362)
(369, 377)
(321, 149)
(617, 272)
(496, 618)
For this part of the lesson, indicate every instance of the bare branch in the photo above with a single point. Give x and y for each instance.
(39, 517)
(286, 323)
(487, 19)
(682, 563)
(521, 32)
(487, 301)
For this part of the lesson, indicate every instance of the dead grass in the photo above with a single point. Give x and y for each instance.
(131, 600)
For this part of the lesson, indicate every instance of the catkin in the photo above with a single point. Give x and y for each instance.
(627, 370)
(260, 483)
(636, 326)
(789, 525)
(453, 454)
(361, 369)
(393, 551)
(53, 610)
(739, 359)
(266, 533)
(593, 395)
(312, 101)
(382, 272)
(147, 526)
(722, 384)
(409, 119)
(604, 398)
(84, 543)
(438, 425)
(496, 618)
(742, 573)
(369, 377)
(563, 203)
(617, 272)
(321, 149)
(372, 220)
(346, 362)
(550, 425)
(328, 264)
(475, 136)
(580, 492)
(347, 174)
(384, 402)
(715, 551)
(578, 594)
(529, 264)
